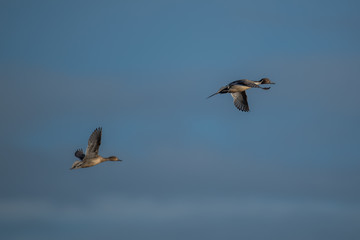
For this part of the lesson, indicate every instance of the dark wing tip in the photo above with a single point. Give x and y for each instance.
(242, 108)
(98, 129)
(79, 154)
(96, 132)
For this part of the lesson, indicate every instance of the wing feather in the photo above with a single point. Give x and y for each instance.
(79, 154)
(240, 101)
(94, 142)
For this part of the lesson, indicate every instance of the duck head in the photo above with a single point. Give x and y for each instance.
(266, 81)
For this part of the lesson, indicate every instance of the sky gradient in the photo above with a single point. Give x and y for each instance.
(193, 168)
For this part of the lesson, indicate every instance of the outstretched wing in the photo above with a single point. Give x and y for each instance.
(79, 154)
(94, 142)
(240, 101)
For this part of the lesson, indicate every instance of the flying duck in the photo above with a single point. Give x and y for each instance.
(237, 91)
(91, 156)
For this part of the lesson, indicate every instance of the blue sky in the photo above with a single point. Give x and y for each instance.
(194, 168)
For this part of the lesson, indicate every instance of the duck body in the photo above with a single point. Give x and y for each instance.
(238, 86)
(92, 161)
(91, 156)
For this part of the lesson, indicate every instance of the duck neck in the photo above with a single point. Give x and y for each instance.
(258, 82)
(111, 158)
(105, 159)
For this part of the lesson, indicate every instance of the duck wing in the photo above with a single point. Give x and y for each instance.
(94, 142)
(79, 154)
(240, 101)
(245, 82)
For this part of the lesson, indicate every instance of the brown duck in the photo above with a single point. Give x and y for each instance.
(91, 156)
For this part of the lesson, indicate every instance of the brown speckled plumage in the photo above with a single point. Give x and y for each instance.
(91, 156)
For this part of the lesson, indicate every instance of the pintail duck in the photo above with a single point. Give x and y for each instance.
(91, 157)
(237, 91)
